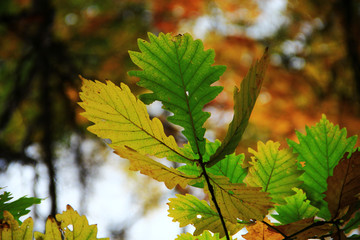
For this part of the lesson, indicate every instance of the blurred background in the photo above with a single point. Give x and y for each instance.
(45, 149)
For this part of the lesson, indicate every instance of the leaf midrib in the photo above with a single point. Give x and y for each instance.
(133, 123)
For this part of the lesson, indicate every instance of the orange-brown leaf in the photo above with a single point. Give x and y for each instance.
(292, 228)
(344, 185)
(261, 231)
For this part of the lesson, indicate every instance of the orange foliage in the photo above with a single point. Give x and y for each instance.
(261, 231)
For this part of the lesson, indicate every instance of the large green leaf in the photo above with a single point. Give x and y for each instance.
(244, 101)
(231, 167)
(187, 209)
(319, 152)
(297, 207)
(274, 170)
(18, 207)
(179, 73)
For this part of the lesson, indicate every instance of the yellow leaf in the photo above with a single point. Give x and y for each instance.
(121, 117)
(71, 224)
(52, 231)
(237, 201)
(170, 176)
(10, 229)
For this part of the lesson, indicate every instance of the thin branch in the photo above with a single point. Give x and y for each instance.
(277, 230)
(212, 193)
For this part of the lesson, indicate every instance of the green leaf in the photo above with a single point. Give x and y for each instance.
(190, 210)
(123, 119)
(179, 73)
(170, 176)
(10, 229)
(274, 170)
(237, 201)
(320, 151)
(231, 167)
(353, 223)
(205, 236)
(297, 207)
(18, 207)
(244, 101)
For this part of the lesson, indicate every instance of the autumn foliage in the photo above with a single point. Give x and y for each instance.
(311, 187)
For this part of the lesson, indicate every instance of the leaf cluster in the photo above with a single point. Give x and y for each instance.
(68, 225)
(318, 177)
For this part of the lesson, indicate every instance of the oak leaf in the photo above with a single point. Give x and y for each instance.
(302, 230)
(179, 73)
(261, 231)
(190, 210)
(170, 176)
(297, 207)
(71, 225)
(318, 153)
(274, 170)
(344, 186)
(10, 228)
(121, 117)
(238, 201)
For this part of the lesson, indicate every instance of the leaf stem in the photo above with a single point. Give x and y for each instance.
(211, 190)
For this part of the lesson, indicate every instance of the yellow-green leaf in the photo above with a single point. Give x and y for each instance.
(10, 228)
(170, 176)
(274, 170)
(190, 210)
(205, 236)
(237, 201)
(72, 226)
(52, 231)
(121, 117)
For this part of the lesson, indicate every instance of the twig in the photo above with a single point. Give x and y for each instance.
(212, 193)
(277, 230)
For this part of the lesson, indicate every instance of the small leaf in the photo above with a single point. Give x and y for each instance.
(231, 167)
(18, 207)
(261, 231)
(179, 73)
(344, 186)
(190, 210)
(170, 176)
(10, 229)
(320, 151)
(237, 201)
(353, 223)
(205, 236)
(244, 101)
(72, 226)
(123, 119)
(295, 209)
(274, 170)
